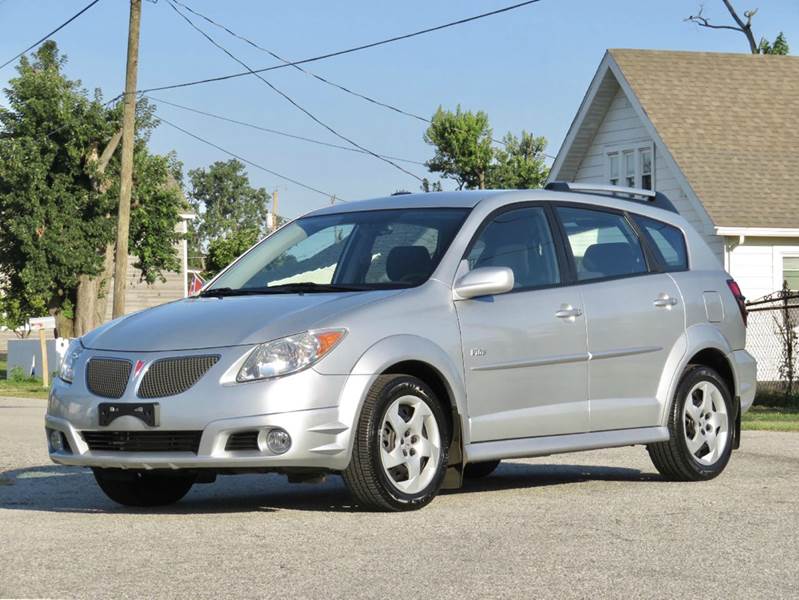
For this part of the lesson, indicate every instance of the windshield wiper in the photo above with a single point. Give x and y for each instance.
(307, 286)
(285, 288)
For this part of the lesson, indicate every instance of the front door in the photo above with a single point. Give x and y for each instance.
(634, 317)
(525, 352)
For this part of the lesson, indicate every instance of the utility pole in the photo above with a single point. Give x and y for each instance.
(275, 222)
(126, 179)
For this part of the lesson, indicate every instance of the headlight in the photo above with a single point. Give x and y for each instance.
(67, 369)
(288, 354)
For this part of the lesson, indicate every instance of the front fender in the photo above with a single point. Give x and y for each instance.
(388, 352)
(696, 338)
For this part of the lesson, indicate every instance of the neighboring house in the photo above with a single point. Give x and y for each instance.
(140, 295)
(717, 133)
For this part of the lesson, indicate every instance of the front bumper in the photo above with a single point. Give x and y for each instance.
(318, 441)
(315, 409)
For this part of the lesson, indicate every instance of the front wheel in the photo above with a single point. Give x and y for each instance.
(399, 455)
(700, 428)
(143, 488)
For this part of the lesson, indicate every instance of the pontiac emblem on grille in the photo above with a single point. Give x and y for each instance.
(137, 369)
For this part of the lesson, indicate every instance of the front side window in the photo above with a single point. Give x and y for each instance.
(603, 244)
(357, 251)
(520, 240)
(668, 241)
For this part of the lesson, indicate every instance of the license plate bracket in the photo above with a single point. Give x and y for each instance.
(147, 412)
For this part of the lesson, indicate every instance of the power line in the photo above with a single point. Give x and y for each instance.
(277, 131)
(56, 30)
(288, 98)
(346, 51)
(287, 63)
(299, 68)
(244, 160)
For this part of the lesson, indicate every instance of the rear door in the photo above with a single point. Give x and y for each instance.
(524, 351)
(633, 311)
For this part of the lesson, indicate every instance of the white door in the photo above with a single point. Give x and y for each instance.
(634, 317)
(525, 353)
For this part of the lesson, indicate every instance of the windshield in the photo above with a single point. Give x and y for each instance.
(380, 249)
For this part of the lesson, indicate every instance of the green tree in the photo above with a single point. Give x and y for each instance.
(519, 163)
(780, 45)
(463, 147)
(224, 250)
(225, 203)
(57, 204)
(466, 152)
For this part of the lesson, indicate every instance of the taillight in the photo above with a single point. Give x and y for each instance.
(739, 297)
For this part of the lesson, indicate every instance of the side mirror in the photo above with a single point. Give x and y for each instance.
(484, 281)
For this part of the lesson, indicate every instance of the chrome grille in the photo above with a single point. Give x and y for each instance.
(107, 377)
(172, 376)
(143, 441)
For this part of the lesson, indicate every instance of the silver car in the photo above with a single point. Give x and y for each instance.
(407, 342)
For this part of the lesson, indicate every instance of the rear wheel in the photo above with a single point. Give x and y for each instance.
(480, 469)
(399, 456)
(700, 428)
(143, 488)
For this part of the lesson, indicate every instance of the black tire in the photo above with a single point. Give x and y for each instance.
(143, 488)
(479, 470)
(673, 459)
(365, 477)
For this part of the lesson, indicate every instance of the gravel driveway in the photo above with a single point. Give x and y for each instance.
(595, 524)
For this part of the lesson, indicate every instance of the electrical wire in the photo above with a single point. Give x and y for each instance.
(56, 30)
(288, 98)
(345, 51)
(276, 131)
(319, 77)
(244, 160)
(288, 63)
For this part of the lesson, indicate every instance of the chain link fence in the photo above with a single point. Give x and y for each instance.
(772, 337)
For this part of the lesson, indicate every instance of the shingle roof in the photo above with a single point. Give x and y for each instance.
(731, 122)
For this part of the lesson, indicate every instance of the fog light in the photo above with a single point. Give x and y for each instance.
(57, 441)
(278, 441)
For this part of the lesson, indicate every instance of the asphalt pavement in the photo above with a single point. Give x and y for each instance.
(590, 525)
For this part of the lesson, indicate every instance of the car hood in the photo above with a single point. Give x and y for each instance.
(195, 323)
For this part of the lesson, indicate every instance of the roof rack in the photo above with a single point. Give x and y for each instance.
(650, 197)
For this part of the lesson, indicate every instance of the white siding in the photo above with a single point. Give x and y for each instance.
(621, 126)
(757, 263)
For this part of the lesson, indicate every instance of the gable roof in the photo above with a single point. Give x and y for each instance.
(729, 121)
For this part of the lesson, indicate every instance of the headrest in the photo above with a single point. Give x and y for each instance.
(409, 264)
(611, 259)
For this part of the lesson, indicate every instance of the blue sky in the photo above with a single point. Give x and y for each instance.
(528, 69)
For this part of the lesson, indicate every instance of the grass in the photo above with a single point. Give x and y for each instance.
(771, 418)
(21, 387)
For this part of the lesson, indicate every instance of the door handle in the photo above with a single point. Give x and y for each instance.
(664, 301)
(567, 311)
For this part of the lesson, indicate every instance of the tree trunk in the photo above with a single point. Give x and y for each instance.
(92, 297)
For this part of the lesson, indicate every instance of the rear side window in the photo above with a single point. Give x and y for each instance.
(603, 244)
(668, 241)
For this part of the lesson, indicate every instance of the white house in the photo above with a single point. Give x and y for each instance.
(717, 133)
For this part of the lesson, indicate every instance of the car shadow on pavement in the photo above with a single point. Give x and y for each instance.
(54, 488)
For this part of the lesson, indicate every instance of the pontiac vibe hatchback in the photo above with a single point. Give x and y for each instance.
(407, 342)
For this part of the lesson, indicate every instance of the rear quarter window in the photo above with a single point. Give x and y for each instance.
(667, 241)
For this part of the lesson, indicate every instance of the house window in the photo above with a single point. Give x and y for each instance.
(790, 271)
(631, 167)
